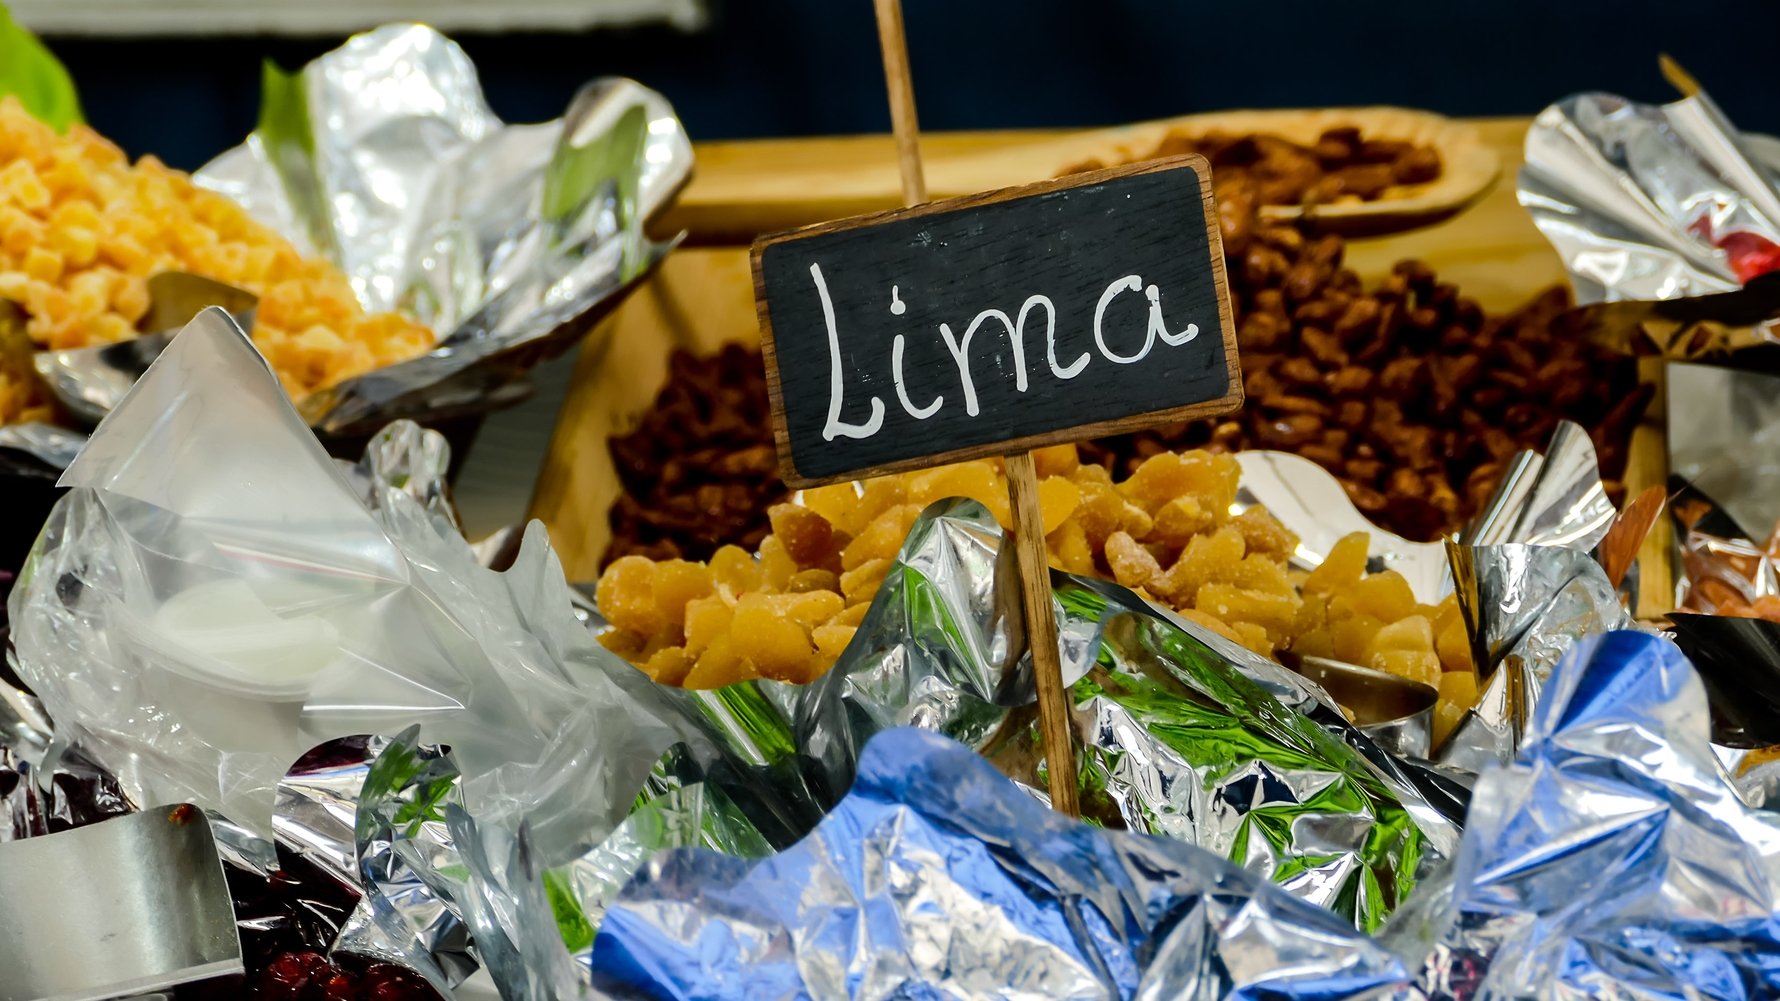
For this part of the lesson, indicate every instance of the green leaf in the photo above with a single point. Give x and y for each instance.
(29, 72)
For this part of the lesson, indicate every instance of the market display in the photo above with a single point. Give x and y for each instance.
(412, 767)
(82, 230)
(1343, 165)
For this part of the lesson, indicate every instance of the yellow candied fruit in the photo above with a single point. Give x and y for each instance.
(73, 202)
(790, 611)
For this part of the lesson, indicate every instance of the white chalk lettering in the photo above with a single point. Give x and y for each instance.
(837, 428)
(1129, 283)
(961, 351)
(1160, 329)
(902, 393)
(1074, 368)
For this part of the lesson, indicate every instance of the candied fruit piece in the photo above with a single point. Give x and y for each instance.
(1055, 460)
(1352, 635)
(778, 646)
(1416, 665)
(1254, 637)
(1459, 688)
(880, 495)
(1454, 647)
(1261, 572)
(1206, 558)
(1179, 520)
(706, 619)
(1343, 566)
(1057, 500)
(1264, 534)
(1069, 548)
(669, 666)
(1272, 612)
(1132, 565)
(881, 539)
(1091, 473)
(1384, 596)
(1409, 633)
(626, 596)
(719, 665)
(976, 480)
(813, 580)
(1313, 614)
(852, 616)
(776, 565)
(1167, 475)
(808, 537)
(624, 643)
(732, 567)
(834, 503)
(1314, 642)
(861, 583)
(1447, 716)
(832, 640)
(811, 608)
(676, 583)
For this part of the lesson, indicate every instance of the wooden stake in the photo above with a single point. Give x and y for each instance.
(1022, 479)
(1041, 633)
(902, 100)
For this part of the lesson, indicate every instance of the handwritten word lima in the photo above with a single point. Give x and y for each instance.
(959, 347)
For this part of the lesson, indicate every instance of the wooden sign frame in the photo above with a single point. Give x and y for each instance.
(1231, 400)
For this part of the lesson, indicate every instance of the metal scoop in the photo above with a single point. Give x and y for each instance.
(122, 908)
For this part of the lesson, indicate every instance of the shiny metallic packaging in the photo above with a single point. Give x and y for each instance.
(509, 241)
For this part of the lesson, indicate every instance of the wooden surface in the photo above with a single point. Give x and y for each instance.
(1126, 221)
(703, 296)
(745, 188)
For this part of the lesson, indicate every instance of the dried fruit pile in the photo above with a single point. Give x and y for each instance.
(1165, 531)
(81, 231)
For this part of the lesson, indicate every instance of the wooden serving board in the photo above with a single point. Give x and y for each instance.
(743, 189)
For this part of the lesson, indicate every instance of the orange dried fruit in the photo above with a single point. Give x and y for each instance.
(1132, 565)
(1057, 500)
(808, 537)
(626, 596)
(1343, 566)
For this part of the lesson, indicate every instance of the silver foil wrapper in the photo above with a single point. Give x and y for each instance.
(509, 241)
(1648, 201)
(935, 877)
(1554, 498)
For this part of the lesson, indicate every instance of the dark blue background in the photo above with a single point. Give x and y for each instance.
(808, 67)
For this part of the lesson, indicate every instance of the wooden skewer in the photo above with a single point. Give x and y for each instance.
(1678, 78)
(1022, 478)
(1619, 547)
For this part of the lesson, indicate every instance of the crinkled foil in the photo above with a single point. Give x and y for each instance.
(1649, 201)
(935, 876)
(509, 241)
(1611, 859)
(1554, 498)
(206, 476)
(1526, 606)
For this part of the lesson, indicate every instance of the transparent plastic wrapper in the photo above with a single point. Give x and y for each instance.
(213, 598)
(509, 241)
(936, 876)
(1611, 859)
(1650, 202)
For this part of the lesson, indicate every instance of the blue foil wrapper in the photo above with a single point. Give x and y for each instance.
(1612, 859)
(935, 877)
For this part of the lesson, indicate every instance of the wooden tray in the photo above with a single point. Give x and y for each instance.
(1468, 165)
(743, 189)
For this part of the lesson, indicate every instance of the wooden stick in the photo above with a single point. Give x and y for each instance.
(902, 100)
(1022, 479)
(1041, 632)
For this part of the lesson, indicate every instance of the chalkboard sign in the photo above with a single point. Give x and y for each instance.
(996, 323)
